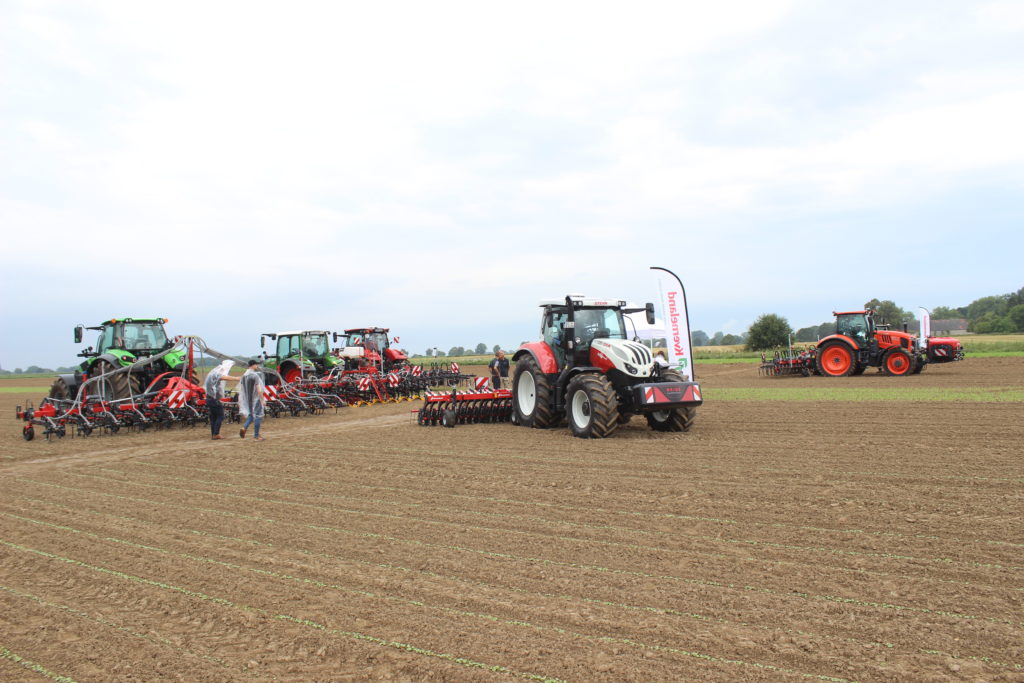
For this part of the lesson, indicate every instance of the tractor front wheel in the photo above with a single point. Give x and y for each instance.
(835, 359)
(591, 406)
(897, 363)
(675, 420)
(531, 395)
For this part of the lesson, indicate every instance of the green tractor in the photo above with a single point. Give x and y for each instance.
(122, 342)
(306, 353)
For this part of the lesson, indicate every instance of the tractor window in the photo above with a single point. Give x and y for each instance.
(599, 323)
(106, 339)
(554, 325)
(377, 341)
(854, 326)
(144, 336)
(315, 345)
(287, 345)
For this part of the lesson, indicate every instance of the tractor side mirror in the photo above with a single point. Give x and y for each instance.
(79, 331)
(334, 335)
(262, 341)
(649, 310)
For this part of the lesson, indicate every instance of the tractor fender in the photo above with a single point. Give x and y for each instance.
(541, 353)
(115, 361)
(841, 337)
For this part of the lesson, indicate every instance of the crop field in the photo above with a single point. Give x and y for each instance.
(835, 529)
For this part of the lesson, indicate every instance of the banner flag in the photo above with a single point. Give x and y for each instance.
(677, 323)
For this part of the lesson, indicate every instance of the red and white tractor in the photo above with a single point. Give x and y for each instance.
(586, 369)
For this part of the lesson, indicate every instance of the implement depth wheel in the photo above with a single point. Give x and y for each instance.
(591, 407)
(675, 420)
(897, 363)
(531, 395)
(835, 359)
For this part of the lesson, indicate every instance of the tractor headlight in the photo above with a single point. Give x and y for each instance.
(630, 369)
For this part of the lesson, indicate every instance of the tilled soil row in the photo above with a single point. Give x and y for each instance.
(735, 606)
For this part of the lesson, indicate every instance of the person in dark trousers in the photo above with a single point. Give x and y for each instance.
(214, 386)
(499, 368)
(251, 401)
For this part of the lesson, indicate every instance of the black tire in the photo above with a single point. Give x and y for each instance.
(121, 385)
(28, 433)
(831, 352)
(531, 391)
(448, 418)
(591, 406)
(919, 366)
(675, 420)
(59, 389)
(859, 370)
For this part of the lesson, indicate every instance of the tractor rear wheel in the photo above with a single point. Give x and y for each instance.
(835, 359)
(531, 395)
(591, 406)
(59, 389)
(675, 420)
(121, 385)
(897, 362)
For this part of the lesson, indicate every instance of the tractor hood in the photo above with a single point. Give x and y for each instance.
(631, 358)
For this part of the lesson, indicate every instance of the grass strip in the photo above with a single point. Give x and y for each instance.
(32, 666)
(875, 394)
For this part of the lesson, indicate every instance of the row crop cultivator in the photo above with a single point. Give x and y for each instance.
(87, 402)
(465, 407)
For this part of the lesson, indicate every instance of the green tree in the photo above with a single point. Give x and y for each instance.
(946, 313)
(996, 305)
(481, 349)
(889, 312)
(1016, 316)
(457, 351)
(699, 338)
(730, 339)
(717, 339)
(767, 332)
(496, 348)
(806, 334)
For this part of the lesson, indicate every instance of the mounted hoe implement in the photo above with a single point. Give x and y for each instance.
(167, 399)
(789, 361)
(465, 407)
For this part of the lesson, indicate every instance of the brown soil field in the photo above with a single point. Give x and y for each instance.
(835, 540)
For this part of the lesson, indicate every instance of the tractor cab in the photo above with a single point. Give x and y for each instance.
(141, 336)
(371, 346)
(857, 325)
(573, 329)
(299, 353)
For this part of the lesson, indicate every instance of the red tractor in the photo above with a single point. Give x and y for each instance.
(586, 369)
(376, 349)
(860, 343)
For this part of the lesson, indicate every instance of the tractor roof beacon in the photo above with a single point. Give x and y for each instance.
(586, 368)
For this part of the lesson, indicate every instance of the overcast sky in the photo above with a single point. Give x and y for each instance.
(440, 167)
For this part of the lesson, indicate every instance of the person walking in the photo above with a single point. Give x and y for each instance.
(251, 401)
(499, 368)
(214, 386)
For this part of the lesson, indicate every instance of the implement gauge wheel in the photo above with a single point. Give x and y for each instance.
(28, 433)
(835, 359)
